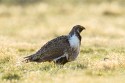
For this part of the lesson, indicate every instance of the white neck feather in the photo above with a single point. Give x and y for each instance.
(74, 41)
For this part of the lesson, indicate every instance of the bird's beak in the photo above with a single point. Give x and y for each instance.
(82, 28)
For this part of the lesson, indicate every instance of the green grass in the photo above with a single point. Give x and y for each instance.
(25, 28)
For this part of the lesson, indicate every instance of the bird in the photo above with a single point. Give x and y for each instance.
(59, 50)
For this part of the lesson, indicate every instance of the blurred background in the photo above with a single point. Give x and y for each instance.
(36, 18)
(33, 20)
(25, 25)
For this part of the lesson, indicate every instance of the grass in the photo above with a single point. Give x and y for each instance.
(25, 28)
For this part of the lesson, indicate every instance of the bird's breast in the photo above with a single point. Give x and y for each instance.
(75, 47)
(74, 41)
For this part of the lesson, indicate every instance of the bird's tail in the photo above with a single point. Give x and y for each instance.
(31, 58)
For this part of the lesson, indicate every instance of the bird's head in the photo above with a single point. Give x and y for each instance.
(77, 29)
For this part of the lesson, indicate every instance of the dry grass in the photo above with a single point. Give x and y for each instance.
(24, 29)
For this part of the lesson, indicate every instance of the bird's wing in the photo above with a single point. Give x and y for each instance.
(51, 54)
(51, 50)
(59, 42)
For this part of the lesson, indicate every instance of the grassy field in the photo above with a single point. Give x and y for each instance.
(24, 28)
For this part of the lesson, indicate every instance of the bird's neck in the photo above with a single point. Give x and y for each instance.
(74, 39)
(72, 33)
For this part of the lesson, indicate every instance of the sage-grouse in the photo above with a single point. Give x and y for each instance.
(60, 50)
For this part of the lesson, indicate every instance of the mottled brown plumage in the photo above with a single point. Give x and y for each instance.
(59, 50)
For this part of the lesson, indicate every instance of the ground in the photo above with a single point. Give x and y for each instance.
(24, 28)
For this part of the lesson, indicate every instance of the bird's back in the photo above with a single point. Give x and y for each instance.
(51, 50)
(59, 42)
